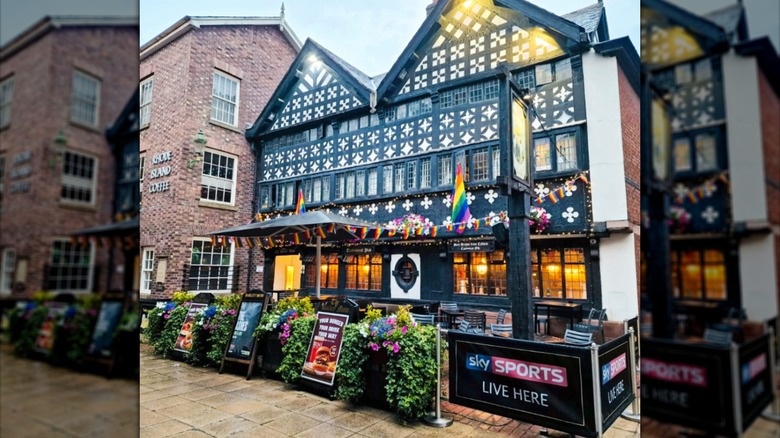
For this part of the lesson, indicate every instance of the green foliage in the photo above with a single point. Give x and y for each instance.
(230, 301)
(155, 326)
(26, 340)
(302, 305)
(89, 301)
(371, 315)
(296, 348)
(182, 297)
(42, 296)
(79, 333)
(164, 344)
(411, 373)
(281, 313)
(131, 321)
(350, 371)
(219, 336)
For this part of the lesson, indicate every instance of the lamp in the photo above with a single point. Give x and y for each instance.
(200, 144)
(525, 94)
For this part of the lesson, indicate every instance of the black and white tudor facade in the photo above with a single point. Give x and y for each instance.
(381, 148)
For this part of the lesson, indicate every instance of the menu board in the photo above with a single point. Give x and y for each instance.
(45, 340)
(184, 341)
(243, 338)
(325, 348)
(103, 334)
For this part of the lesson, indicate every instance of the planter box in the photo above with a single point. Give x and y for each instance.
(270, 349)
(376, 379)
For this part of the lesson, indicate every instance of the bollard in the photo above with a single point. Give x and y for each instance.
(435, 419)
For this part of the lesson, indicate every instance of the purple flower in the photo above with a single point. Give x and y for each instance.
(167, 315)
(403, 330)
(395, 347)
(232, 311)
(374, 346)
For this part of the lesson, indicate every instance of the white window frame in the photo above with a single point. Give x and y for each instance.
(372, 181)
(90, 271)
(77, 98)
(217, 181)
(7, 270)
(6, 97)
(215, 98)
(147, 269)
(231, 265)
(145, 104)
(79, 181)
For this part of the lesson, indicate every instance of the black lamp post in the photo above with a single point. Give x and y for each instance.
(516, 180)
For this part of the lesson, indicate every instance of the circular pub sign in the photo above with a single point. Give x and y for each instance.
(405, 273)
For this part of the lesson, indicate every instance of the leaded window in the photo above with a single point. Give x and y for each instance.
(360, 183)
(445, 170)
(387, 179)
(372, 182)
(559, 273)
(481, 165)
(425, 173)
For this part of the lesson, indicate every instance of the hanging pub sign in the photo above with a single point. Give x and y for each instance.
(184, 340)
(325, 348)
(520, 140)
(471, 245)
(103, 335)
(543, 384)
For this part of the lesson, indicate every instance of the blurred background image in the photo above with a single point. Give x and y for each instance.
(69, 218)
(711, 220)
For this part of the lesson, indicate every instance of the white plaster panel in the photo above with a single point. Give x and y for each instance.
(757, 276)
(618, 277)
(743, 128)
(605, 137)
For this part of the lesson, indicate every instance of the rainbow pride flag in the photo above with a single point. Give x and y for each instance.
(460, 206)
(300, 207)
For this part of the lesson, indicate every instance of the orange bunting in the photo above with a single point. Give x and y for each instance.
(331, 228)
(213, 240)
(476, 225)
(406, 233)
(692, 197)
(583, 178)
(552, 198)
(434, 231)
(391, 232)
(377, 233)
(320, 232)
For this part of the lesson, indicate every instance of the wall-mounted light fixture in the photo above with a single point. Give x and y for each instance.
(200, 144)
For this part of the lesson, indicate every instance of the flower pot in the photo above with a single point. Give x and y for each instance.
(376, 379)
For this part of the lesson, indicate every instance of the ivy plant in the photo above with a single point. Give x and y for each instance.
(352, 361)
(411, 373)
(29, 333)
(164, 344)
(296, 348)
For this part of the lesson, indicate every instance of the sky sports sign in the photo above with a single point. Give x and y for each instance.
(530, 381)
(615, 386)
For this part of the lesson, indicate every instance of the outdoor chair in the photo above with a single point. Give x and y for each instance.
(423, 319)
(448, 306)
(475, 319)
(501, 316)
(503, 330)
(594, 323)
(733, 323)
(465, 327)
(574, 337)
(542, 321)
(719, 337)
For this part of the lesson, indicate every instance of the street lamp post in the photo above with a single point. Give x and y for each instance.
(516, 181)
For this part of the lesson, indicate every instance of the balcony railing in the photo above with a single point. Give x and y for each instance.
(210, 278)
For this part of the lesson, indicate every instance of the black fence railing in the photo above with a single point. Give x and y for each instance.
(210, 278)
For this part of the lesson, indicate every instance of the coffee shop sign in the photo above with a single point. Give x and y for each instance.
(160, 172)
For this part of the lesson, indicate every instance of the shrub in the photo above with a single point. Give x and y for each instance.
(296, 348)
(182, 297)
(350, 371)
(230, 301)
(164, 344)
(157, 321)
(32, 326)
(79, 332)
(219, 334)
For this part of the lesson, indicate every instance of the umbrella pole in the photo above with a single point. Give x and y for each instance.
(318, 273)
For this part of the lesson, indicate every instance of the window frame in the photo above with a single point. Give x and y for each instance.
(230, 267)
(74, 98)
(717, 134)
(90, 267)
(491, 260)
(6, 272)
(145, 260)
(145, 104)
(94, 179)
(352, 264)
(676, 268)
(561, 250)
(236, 104)
(6, 100)
(552, 135)
(233, 180)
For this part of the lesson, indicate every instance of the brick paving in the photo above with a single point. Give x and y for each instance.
(181, 400)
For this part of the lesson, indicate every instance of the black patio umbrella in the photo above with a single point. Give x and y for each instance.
(298, 223)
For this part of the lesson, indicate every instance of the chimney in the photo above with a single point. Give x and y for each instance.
(429, 8)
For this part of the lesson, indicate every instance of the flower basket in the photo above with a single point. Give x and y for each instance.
(539, 219)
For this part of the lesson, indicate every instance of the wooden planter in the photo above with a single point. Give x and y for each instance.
(270, 349)
(376, 379)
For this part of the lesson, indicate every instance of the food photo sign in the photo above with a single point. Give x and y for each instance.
(184, 341)
(325, 348)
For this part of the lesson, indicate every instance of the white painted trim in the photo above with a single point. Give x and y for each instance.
(234, 187)
(232, 261)
(617, 270)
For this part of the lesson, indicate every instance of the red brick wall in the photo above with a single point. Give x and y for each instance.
(43, 76)
(770, 114)
(183, 73)
(629, 121)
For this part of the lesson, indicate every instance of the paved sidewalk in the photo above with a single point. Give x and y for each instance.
(180, 400)
(41, 400)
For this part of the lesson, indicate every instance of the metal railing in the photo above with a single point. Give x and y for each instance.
(210, 278)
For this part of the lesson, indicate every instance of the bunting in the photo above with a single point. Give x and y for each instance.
(699, 192)
(320, 232)
(377, 233)
(460, 205)
(558, 193)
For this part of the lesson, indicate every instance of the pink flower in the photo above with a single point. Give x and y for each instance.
(167, 316)
(403, 330)
(374, 347)
(395, 347)
(232, 311)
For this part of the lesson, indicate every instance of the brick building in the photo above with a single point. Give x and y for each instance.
(62, 82)
(203, 81)
(381, 148)
(715, 95)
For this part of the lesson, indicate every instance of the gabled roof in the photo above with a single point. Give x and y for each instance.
(588, 17)
(431, 25)
(731, 19)
(188, 23)
(359, 83)
(52, 22)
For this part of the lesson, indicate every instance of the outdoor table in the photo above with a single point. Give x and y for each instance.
(451, 315)
(548, 339)
(550, 304)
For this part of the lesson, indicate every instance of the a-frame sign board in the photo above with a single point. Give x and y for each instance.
(183, 343)
(242, 347)
(101, 350)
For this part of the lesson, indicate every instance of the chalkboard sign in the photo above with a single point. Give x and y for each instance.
(249, 314)
(243, 343)
(103, 335)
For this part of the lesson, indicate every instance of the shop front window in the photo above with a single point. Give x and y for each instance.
(559, 273)
(329, 271)
(364, 272)
(699, 274)
(480, 273)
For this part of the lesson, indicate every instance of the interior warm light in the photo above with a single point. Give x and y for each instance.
(324, 268)
(468, 3)
(365, 268)
(481, 269)
(553, 268)
(288, 278)
(692, 268)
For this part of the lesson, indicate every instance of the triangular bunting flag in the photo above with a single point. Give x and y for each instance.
(460, 205)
